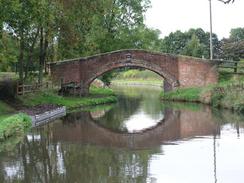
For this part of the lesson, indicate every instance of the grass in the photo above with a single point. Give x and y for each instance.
(229, 93)
(14, 125)
(187, 94)
(98, 96)
(101, 91)
(12, 129)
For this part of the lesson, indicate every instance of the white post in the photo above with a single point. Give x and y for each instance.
(211, 31)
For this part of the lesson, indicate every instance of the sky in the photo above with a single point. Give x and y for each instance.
(172, 15)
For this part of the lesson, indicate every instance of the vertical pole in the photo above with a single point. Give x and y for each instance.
(215, 157)
(211, 30)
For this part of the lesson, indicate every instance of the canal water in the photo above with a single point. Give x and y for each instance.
(140, 139)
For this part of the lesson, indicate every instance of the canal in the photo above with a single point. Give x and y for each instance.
(140, 139)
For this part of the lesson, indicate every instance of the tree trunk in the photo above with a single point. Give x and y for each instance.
(21, 59)
(40, 78)
(43, 51)
(1, 29)
(30, 57)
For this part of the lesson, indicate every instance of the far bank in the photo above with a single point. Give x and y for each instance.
(228, 93)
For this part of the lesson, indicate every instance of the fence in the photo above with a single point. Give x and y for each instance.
(233, 67)
(23, 89)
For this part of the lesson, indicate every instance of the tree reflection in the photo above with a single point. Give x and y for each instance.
(42, 161)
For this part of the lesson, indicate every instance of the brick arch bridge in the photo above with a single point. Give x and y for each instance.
(178, 71)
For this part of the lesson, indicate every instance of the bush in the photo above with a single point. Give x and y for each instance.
(14, 125)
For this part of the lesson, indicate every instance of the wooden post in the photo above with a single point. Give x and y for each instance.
(23, 89)
(235, 68)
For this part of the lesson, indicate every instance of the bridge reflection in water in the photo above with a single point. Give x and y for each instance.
(176, 125)
(78, 149)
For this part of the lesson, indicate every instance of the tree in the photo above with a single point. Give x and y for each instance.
(237, 34)
(232, 48)
(8, 52)
(30, 21)
(194, 47)
(20, 25)
(228, 1)
(175, 42)
(181, 42)
(47, 30)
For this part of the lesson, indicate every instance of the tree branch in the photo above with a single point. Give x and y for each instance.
(227, 2)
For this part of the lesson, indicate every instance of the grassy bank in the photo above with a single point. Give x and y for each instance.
(97, 96)
(12, 129)
(229, 93)
(15, 124)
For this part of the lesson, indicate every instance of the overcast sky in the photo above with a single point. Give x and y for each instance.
(171, 15)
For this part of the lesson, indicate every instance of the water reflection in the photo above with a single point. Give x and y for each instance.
(138, 108)
(185, 145)
(80, 127)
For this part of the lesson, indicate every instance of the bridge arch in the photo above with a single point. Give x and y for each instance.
(169, 79)
(178, 71)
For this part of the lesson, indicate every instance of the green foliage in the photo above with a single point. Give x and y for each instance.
(232, 47)
(14, 125)
(137, 77)
(101, 91)
(232, 50)
(138, 74)
(224, 76)
(237, 34)
(229, 95)
(91, 27)
(194, 42)
(40, 31)
(193, 47)
(184, 94)
(8, 52)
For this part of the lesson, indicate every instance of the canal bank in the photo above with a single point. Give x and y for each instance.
(228, 94)
(14, 122)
